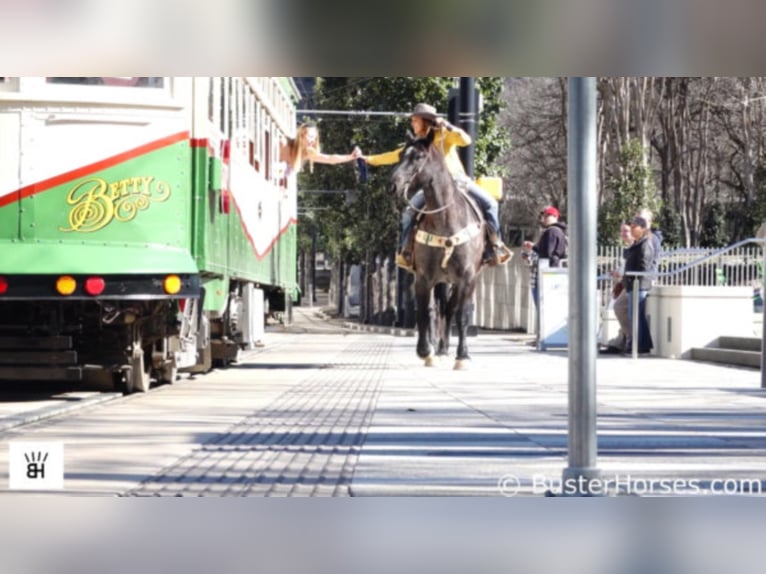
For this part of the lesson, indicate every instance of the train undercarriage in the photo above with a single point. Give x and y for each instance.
(125, 344)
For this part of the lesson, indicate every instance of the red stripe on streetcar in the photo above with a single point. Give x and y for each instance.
(270, 246)
(68, 176)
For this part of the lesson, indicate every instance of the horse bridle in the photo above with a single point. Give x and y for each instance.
(418, 210)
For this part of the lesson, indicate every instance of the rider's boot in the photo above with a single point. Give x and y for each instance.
(496, 252)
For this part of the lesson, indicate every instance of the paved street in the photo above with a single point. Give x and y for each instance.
(322, 410)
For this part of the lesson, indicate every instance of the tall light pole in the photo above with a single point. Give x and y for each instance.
(582, 215)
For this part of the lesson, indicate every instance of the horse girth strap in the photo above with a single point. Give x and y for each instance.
(448, 242)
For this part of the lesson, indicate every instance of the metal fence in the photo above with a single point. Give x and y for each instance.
(740, 267)
(503, 299)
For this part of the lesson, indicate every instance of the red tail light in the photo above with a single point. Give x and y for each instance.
(94, 285)
(3, 285)
(225, 206)
(225, 202)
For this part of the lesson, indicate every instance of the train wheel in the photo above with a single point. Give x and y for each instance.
(138, 376)
(169, 372)
(119, 381)
(207, 358)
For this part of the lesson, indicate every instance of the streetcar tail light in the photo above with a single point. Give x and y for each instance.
(65, 285)
(172, 284)
(3, 285)
(94, 285)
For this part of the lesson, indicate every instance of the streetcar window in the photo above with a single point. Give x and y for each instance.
(224, 109)
(267, 154)
(9, 84)
(212, 100)
(119, 81)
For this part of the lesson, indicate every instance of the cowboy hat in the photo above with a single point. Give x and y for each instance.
(425, 111)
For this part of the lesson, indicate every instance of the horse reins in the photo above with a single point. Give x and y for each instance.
(418, 210)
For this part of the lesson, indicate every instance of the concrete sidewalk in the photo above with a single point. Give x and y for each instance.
(500, 428)
(322, 410)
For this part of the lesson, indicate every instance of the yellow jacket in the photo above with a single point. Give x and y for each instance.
(445, 140)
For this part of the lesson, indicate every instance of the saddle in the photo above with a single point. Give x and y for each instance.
(448, 243)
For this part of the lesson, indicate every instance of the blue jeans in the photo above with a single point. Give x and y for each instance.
(486, 202)
(645, 343)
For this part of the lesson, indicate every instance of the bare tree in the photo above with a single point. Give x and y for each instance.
(703, 141)
(536, 163)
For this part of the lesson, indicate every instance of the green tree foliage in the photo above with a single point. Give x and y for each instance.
(493, 139)
(366, 221)
(670, 223)
(633, 190)
(714, 232)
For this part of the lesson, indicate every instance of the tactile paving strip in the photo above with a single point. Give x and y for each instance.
(305, 443)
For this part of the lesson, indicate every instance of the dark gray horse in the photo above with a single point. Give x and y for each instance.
(448, 247)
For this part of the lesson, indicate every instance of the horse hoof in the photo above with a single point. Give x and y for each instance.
(460, 365)
(430, 361)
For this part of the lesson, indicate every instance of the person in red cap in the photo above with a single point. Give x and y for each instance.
(552, 245)
(447, 138)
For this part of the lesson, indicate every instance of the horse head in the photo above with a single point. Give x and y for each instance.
(409, 173)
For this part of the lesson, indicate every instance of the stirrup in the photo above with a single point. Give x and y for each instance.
(404, 263)
(502, 254)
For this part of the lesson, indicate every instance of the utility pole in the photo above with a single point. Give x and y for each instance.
(468, 115)
(468, 120)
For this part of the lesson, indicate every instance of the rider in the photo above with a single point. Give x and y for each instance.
(446, 138)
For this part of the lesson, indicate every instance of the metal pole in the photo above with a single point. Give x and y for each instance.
(313, 262)
(582, 214)
(763, 332)
(353, 113)
(468, 112)
(634, 327)
(468, 115)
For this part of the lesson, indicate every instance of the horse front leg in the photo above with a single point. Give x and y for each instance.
(444, 315)
(425, 349)
(462, 325)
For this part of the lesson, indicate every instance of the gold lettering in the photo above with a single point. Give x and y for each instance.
(96, 203)
(92, 208)
(163, 191)
(145, 183)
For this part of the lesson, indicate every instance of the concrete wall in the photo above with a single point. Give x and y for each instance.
(681, 317)
(684, 317)
(503, 299)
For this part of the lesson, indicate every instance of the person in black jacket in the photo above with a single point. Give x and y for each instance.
(552, 245)
(621, 308)
(639, 257)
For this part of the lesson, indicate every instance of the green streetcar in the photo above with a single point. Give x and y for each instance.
(145, 224)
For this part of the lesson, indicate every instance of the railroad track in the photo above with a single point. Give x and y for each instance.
(26, 403)
(29, 403)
